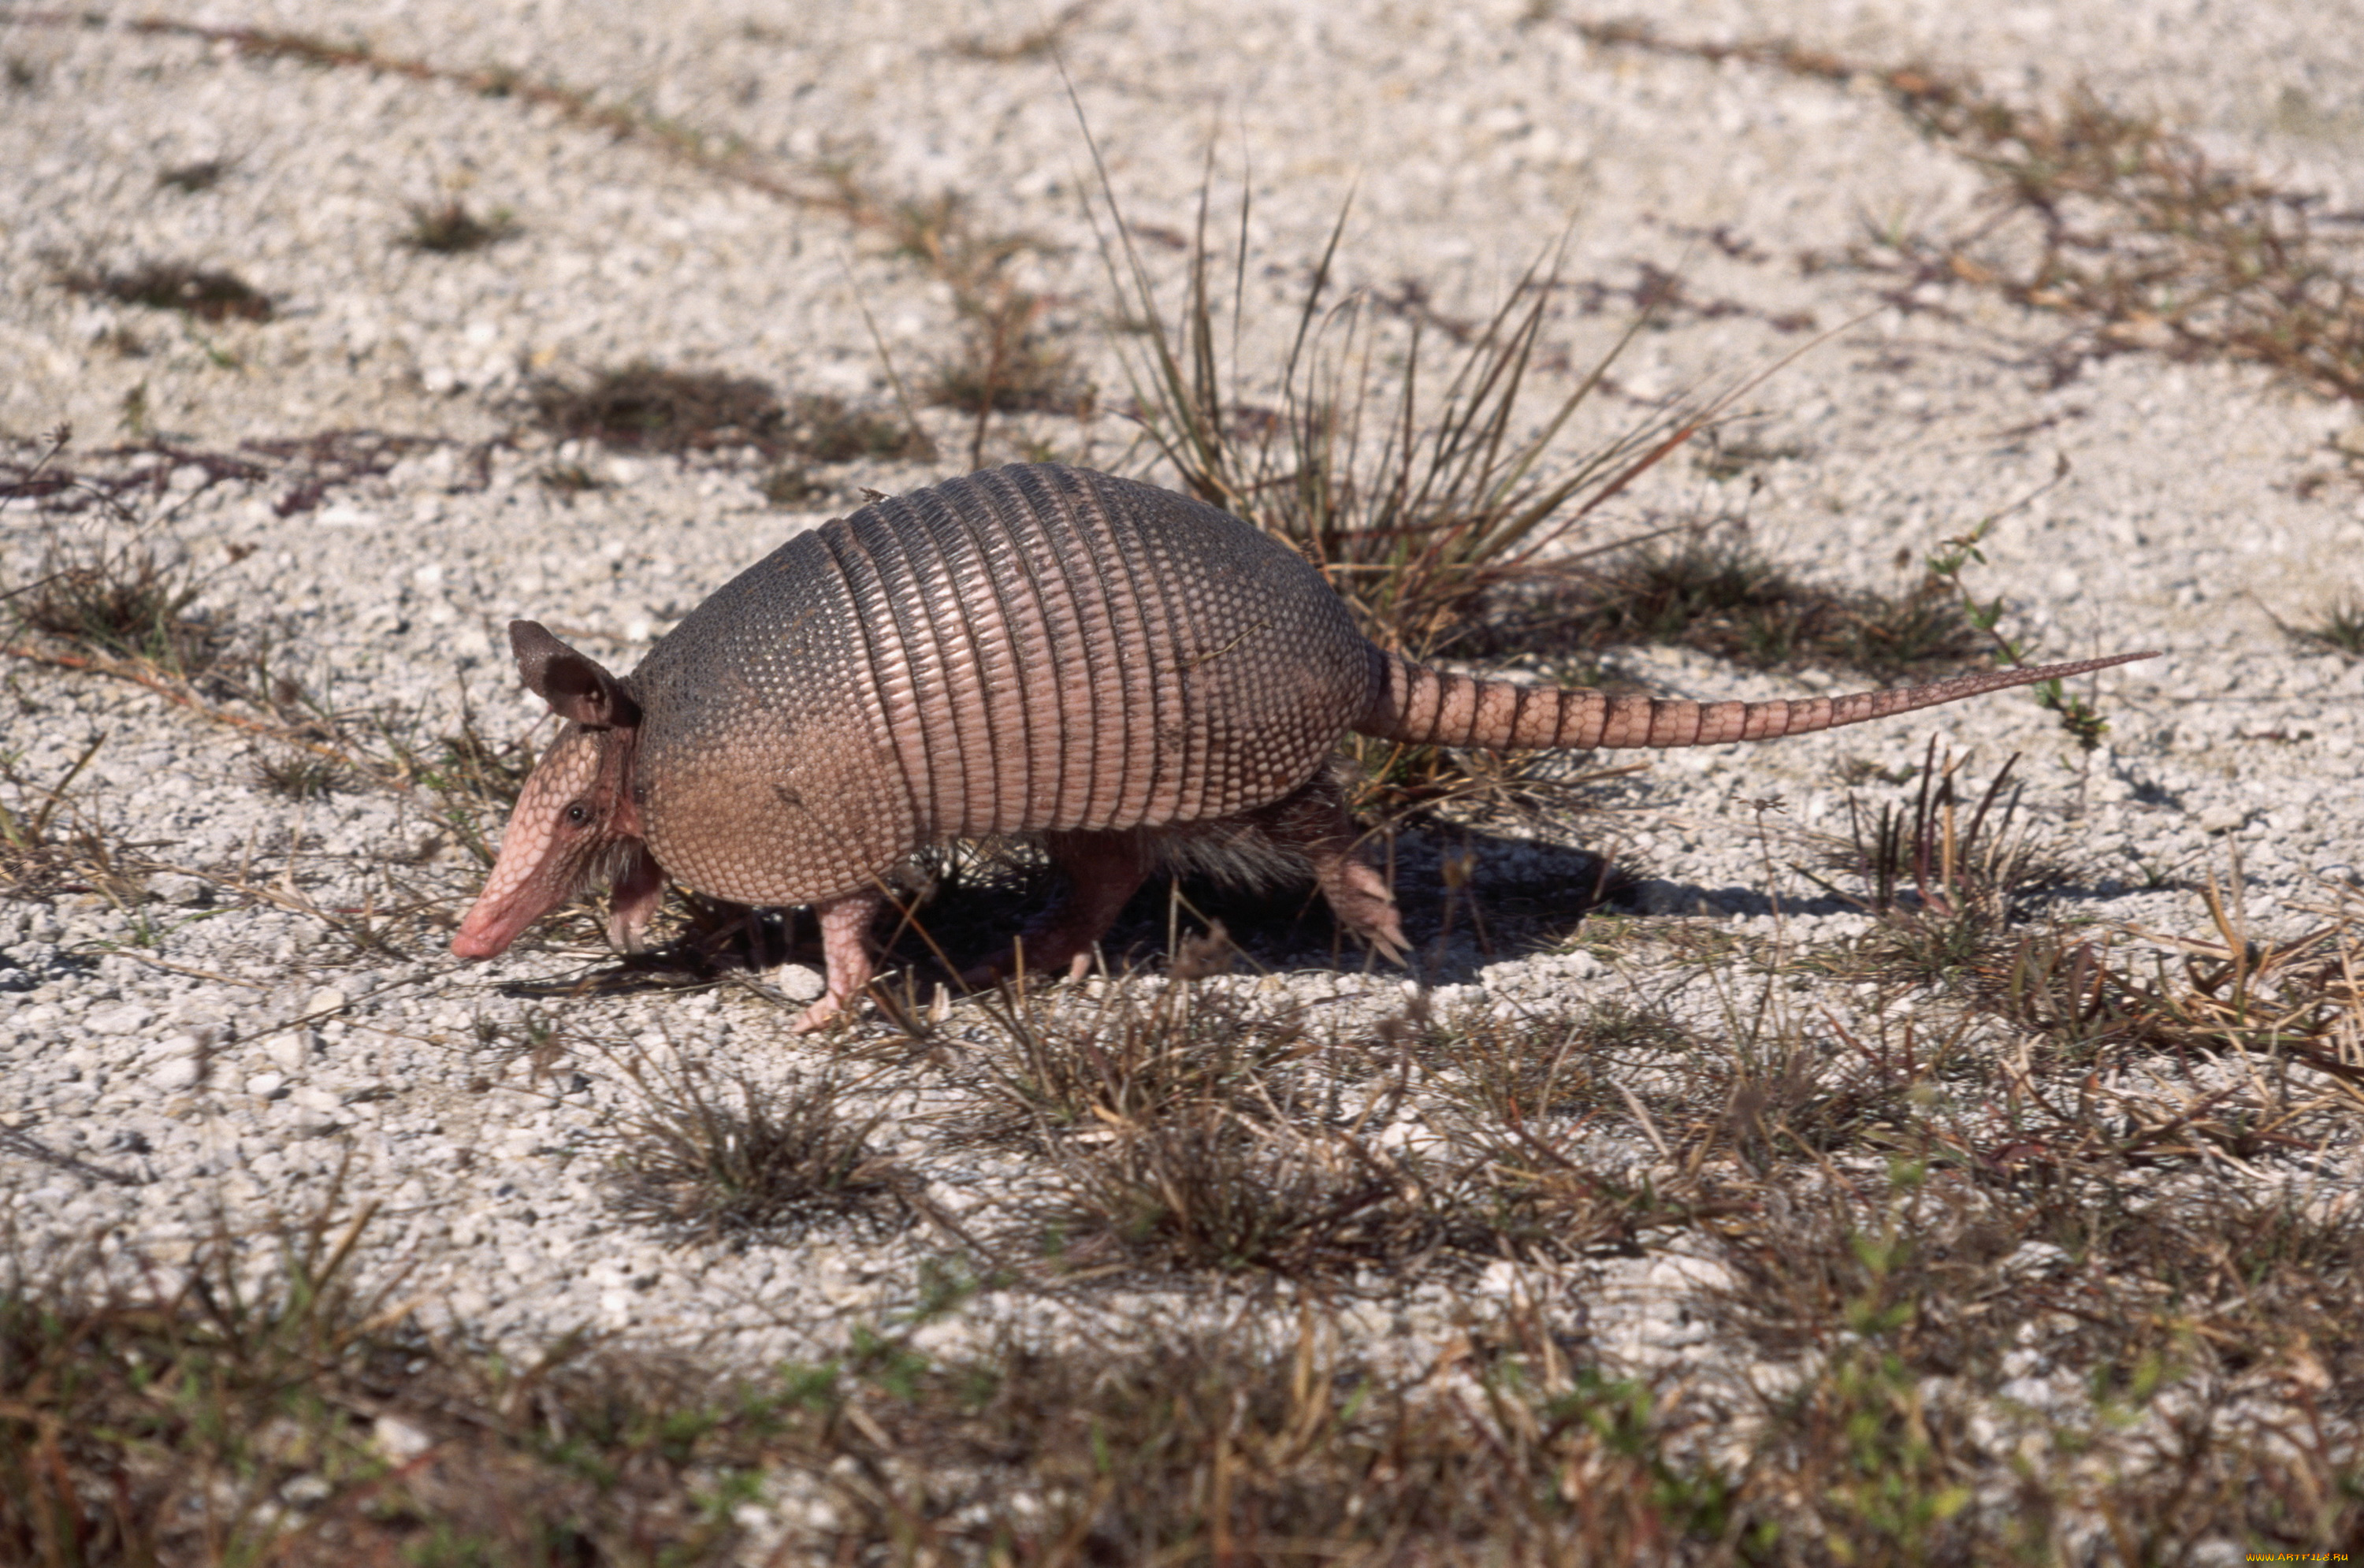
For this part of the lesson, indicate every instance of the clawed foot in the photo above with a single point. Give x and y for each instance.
(821, 1015)
(994, 971)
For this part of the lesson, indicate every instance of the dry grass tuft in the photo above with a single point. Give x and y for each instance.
(824, 427)
(1127, 1053)
(1007, 363)
(1424, 493)
(49, 845)
(201, 174)
(207, 293)
(644, 408)
(703, 1162)
(118, 600)
(1009, 358)
(1414, 505)
(98, 595)
(2339, 629)
(1710, 589)
(1947, 877)
(450, 228)
(299, 776)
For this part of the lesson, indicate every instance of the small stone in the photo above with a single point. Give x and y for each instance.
(326, 999)
(798, 984)
(263, 1086)
(172, 1045)
(177, 1073)
(173, 888)
(2221, 818)
(289, 1049)
(126, 1019)
(398, 1440)
(306, 1490)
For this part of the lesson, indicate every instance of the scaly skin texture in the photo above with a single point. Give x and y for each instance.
(1131, 675)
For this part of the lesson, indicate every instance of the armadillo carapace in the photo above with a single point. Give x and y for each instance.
(1118, 670)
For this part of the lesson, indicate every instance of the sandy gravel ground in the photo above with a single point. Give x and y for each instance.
(214, 1047)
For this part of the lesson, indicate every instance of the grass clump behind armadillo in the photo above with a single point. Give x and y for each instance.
(1413, 503)
(1712, 589)
(641, 406)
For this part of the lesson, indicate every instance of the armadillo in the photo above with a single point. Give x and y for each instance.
(1118, 670)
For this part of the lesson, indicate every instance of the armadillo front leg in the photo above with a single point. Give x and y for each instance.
(845, 956)
(639, 891)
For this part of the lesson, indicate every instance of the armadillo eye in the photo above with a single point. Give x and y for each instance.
(577, 815)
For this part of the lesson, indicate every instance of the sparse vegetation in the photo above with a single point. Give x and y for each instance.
(1008, 365)
(203, 174)
(702, 1161)
(2026, 1322)
(1710, 588)
(1008, 361)
(568, 479)
(47, 844)
(2123, 227)
(299, 776)
(117, 599)
(452, 228)
(1413, 509)
(2054, 1266)
(824, 427)
(1068, 1067)
(208, 294)
(2339, 629)
(646, 408)
(1947, 877)
(643, 407)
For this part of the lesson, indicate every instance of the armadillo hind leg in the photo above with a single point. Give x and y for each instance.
(845, 954)
(1312, 822)
(1103, 870)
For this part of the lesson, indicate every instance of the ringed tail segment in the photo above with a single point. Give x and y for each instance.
(1424, 706)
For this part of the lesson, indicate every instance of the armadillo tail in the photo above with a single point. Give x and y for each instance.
(1421, 705)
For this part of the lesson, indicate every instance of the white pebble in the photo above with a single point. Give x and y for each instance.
(799, 983)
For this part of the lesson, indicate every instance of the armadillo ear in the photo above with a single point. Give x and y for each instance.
(575, 687)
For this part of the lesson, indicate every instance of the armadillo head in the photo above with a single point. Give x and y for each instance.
(575, 821)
